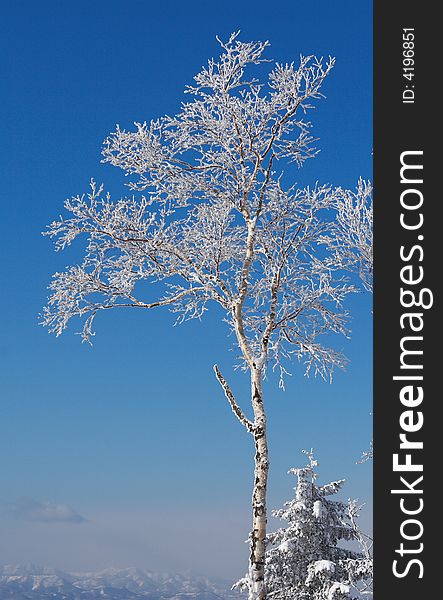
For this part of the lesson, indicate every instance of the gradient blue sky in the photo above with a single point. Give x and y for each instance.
(134, 433)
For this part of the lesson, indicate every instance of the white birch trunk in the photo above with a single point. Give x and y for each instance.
(259, 515)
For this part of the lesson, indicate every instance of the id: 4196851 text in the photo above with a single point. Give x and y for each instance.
(408, 38)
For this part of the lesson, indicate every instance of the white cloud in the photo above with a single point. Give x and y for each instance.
(28, 509)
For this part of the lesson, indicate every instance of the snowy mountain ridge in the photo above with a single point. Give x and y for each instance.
(23, 582)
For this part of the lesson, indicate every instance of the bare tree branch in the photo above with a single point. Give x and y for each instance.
(232, 401)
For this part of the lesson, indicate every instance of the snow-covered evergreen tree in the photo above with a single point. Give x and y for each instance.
(304, 560)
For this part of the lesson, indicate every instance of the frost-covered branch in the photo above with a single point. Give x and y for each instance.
(367, 454)
(352, 236)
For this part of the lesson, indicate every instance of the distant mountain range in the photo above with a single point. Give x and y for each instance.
(36, 583)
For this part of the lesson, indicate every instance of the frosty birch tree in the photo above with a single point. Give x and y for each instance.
(213, 220)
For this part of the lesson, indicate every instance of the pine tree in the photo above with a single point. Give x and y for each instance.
(304, 560)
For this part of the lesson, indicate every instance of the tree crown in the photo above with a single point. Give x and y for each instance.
(214, 221)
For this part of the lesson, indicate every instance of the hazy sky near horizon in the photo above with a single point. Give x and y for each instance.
(126, 453)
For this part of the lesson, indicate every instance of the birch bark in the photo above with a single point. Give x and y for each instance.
(259, 513)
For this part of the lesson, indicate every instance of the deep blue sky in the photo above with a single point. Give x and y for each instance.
(134, 433)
